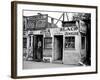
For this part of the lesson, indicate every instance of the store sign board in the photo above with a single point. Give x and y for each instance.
(72, 28)
(41, 21)
(71, 33)
(69, 24)
(36, 22)
(30, 22)
(46, 32)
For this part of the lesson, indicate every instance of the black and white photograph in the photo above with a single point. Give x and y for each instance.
(54, 39)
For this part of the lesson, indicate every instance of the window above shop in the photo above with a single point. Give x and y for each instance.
(70, 42)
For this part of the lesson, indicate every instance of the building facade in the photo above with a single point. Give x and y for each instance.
(44, 41)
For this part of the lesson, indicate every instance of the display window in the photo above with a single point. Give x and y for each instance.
(70, 42)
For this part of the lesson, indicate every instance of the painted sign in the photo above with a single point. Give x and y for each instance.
(71, 33)
(46, 33)
(41, 21)
(30, 22)
(68, 23)
(36, 22)
(70, 28)
(73, 28)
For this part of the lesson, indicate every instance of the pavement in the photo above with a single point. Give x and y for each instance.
(37, 65)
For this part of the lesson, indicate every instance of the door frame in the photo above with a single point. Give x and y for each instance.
(34, 45)
(62, 46)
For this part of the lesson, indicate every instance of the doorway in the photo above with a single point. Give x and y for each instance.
(38, 47)
(58, 47)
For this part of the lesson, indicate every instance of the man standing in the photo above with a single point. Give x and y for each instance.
(39, 50)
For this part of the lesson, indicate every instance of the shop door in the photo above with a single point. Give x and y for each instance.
(58, 47)
(38, 48)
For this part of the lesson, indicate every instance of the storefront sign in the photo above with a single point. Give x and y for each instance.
(69, 23)
(70, 26)
(36, 22)
(71, 33)
(46, 32)
(41, 21)
(73, 28)
(30, 32)
(30, 23)
(70, 30)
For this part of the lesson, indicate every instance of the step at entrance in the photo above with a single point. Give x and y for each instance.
(58, 62)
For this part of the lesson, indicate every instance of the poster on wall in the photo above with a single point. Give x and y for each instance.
(48, 42)
(35, 28)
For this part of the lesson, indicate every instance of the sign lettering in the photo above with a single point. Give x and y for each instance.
(71, 33)
(73, 28)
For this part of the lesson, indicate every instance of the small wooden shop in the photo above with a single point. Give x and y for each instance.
(66, 45)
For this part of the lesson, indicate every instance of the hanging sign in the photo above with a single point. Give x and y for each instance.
(70, 28)
(46, 33)
(36, 22)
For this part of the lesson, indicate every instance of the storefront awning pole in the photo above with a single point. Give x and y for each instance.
(67, 16)
(59, 18)
(63, 17)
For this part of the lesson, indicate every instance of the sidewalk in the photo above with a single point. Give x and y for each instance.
(37, 65)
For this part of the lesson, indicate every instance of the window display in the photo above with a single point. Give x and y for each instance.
(70, 42)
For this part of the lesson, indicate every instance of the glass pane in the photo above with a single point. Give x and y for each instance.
(69, 42)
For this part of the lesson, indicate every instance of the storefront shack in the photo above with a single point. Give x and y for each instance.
(65, 45)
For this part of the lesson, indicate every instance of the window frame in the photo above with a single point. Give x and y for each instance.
(72, 48)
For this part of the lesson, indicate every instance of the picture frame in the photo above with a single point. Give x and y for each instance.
(72, 30)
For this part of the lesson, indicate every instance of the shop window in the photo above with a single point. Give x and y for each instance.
(83, 42)
(48, 43)
(70, 42)
(24, 42)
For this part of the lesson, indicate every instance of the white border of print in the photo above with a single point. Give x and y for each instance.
(31, 72)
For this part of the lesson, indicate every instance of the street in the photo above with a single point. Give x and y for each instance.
(37, 65)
